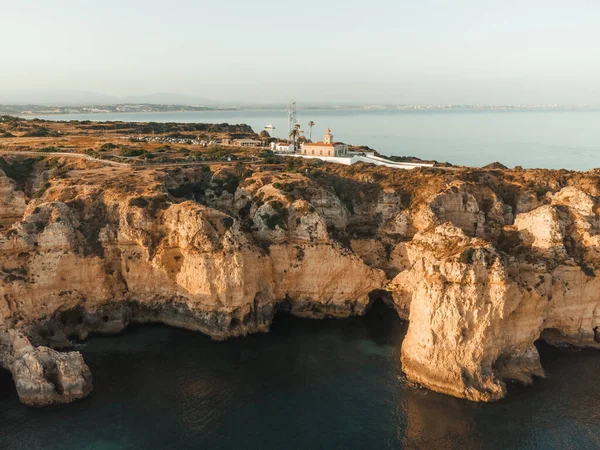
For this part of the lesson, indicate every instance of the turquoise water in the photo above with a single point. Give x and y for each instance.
(306, 385)
(553, 139)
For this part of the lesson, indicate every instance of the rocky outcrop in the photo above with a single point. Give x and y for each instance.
(462, 307)
(476, 313)
(43, 376)
(483, 263)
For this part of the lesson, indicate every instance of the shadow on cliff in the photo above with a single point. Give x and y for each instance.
(7, 386)
(380, 322)
(376, 329)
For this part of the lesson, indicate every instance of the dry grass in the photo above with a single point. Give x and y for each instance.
(81, 137)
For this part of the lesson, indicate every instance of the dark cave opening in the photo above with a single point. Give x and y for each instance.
(382, 320)
(7, 385)
(381, 296)
(553, 345)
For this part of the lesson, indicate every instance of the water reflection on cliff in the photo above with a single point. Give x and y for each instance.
(429, 426)
(307, 384)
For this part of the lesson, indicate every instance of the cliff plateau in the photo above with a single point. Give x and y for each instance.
(482, 262)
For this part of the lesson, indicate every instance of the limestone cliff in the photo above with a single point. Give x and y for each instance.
(478, 305)
(485, 262)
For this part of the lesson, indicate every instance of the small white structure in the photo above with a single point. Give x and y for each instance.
(247, 143)
(282, 147)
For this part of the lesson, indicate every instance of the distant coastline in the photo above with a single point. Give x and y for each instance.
(33, 109)
(128, 108)
(553, 138)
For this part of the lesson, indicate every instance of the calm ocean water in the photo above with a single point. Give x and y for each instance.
(556, 139)
(306, 385)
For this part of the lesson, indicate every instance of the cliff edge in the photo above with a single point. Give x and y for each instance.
(482, 262)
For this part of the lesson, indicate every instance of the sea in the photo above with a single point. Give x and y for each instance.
(308, 384)
(327, 384)
(531, 138)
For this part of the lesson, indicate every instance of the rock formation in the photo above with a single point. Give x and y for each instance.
(482, 262)
(43, 376)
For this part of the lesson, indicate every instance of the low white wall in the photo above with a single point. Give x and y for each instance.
(349, 160)
(387, 161)
(333, 159)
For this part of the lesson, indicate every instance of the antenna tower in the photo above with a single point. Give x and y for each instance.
(293, 122)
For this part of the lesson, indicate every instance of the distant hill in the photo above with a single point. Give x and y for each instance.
(75, 97)
(496, 165)
(54, 97)
(169, 99)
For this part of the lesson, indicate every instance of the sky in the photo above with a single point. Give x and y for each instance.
(342, 51)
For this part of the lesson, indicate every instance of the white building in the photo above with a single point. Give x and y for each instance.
(337, 152)
(247, 143)
(282, 147)
(326, 148)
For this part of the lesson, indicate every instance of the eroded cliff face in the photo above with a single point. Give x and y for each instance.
(12, 201)
(485, 262)
(478, 305)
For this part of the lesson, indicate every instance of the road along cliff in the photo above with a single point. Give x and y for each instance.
(482, 262)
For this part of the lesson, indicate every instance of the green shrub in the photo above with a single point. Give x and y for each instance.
(227, 222)
(273, 220)
(131, 152)
(466, 257)
(40, 132)
(139, 202)
(231, 184)
(50, 149)
(279, 218)
(108, 146)
(19, 170)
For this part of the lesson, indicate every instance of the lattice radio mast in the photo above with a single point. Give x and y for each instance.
(293, 123)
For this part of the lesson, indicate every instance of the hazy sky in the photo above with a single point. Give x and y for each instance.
(379, 51)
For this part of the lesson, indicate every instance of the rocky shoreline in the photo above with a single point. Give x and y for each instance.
(482, 262)
(44, 375)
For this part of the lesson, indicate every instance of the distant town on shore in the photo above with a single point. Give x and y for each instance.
(47, 109)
